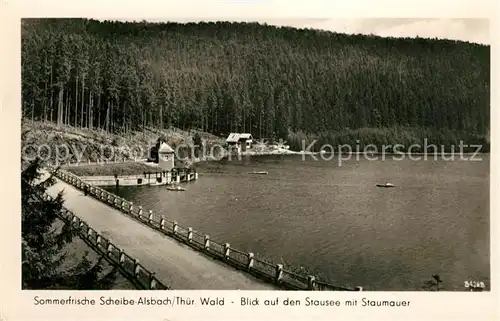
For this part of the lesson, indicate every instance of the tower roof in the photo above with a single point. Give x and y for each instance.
(165, 148)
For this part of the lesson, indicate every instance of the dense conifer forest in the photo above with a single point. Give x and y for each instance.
(274, 82)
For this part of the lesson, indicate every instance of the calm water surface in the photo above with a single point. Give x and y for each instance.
(334, 221)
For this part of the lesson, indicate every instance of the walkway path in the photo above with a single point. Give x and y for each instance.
(175, 264)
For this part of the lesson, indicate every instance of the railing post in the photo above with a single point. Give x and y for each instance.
(122, 257)
(150, 218)
(140, 211)
(174, 228)
(250, 261)
(89, 233)
(122, 207)
(136, 267)
(152, 281)
(162, 223)
(190, 234)
(227, 248)
(131, 207)
(98, 241)
(109, 250)
(207, 242)
(279, 273)
(311, 282)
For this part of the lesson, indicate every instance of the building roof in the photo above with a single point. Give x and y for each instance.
(165, 148)
(236, 137)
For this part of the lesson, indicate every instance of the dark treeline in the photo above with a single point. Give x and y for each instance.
(270, 81)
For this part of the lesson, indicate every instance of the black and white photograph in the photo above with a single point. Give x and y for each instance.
(268, 154)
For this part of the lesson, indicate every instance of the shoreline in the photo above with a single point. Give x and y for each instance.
(139, 166)
(286, 152)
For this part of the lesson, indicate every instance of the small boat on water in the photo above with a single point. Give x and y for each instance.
(175, 188)
(385, 185)
(258, 172)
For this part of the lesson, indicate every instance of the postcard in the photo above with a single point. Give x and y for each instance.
(225, 160)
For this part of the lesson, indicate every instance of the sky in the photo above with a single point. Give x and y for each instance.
(468, 29)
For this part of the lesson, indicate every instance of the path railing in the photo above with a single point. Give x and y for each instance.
(275, 273)
(140, 276)
(104, 162)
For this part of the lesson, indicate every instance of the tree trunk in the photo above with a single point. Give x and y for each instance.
(260, 125)
(107, 116)
(143, 120)
(90, 121)
(161, 117)
(45, 104)
(60, 105)
(66, 108)
(51, 105)
(83, 101)
(33, 108)
(244, 121)
(124, 122)
(99, 125)
(217, 121)
(111, 120)
(76, 101)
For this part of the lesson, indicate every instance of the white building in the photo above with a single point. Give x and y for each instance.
(239, 141)
(166, 157)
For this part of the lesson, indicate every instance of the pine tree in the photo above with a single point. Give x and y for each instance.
(43, 243)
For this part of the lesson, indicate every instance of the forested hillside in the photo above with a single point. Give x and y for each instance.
(273, 82)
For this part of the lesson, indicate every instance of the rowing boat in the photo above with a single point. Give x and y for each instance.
(385, 185)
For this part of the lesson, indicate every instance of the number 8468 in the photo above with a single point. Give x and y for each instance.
(474, 284)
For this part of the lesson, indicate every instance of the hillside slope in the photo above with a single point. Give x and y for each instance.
(67, 144)
(270, 81)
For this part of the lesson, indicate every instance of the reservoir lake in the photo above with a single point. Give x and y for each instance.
(332, 221)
